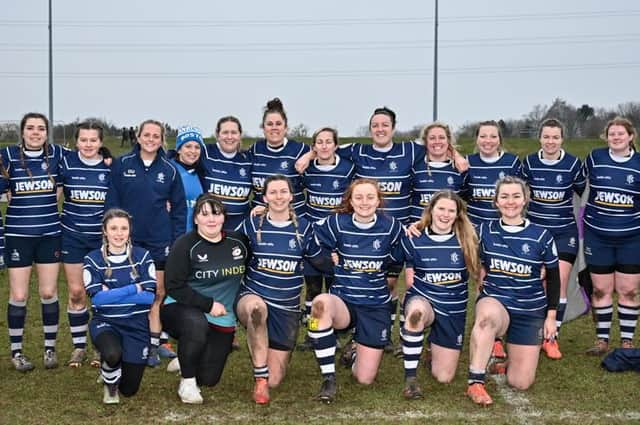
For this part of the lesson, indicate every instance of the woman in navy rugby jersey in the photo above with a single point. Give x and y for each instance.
(363, 239)
(489, 164)
(554, 176)
(120, 279)
(85, 180)
(276, 154)
(148, 186)
(612, 232)
(325, 181)
(269, 300)
(441, 258)
(227, 171)
(512, 301)
(32, 233)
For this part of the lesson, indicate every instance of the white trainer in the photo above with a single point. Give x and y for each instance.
(111, 394)
(174, 365)
(189, 392)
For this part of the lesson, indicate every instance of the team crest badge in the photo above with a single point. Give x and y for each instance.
(284, 165)
(101, 177)
(526, 248)
(630, 179)
(44, 166)
(572, 242)
(501, 175)
(336, 184)
(393, 166)
(160, 178)
(559, 178)
(376, 245)
(455, 257)
(242, 172)
(15, 255)
(450, 181)
(292, 243)
(383, 335)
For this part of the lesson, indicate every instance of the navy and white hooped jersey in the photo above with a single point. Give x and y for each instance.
(613, 206)
(391, 169)
(33, 208)
(95, 275)
(268, 161)
(364, 251)
(481, 184)
(85, 191)
(325, 186)
(440, 272)
(429, 178)
(513, 258)
(553, 184)
(275, 268)
(229, 178)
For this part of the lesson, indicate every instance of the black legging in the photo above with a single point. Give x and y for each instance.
(202, 350)
(110, 348)
(314, 285)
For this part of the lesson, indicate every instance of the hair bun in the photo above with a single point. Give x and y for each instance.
(275, 104)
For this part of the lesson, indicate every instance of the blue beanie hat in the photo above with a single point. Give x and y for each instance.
(188, 134)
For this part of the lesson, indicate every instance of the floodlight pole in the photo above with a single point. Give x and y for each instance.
(435, 63)
(51, 123)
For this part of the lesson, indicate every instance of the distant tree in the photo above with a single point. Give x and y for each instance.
(630, 110)
(299, 130)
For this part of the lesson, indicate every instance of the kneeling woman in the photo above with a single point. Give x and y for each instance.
(269, 302)
(363, 239)
(204, 270)
(121, 281)
(442, 257)
(512, 299)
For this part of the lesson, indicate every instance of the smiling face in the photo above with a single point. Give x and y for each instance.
(325, 147)
(511, 200)
(278, 196)
(88, 143)
(189, 152)
(381, 129)
(551, 142)
(619, 140)
(150, 139)
(488, 141)
(34, 133)
(274, 128)
(443, 215)
(437, 144)
(209, 223)
(229, 137)
(116, 230)
(364, 201)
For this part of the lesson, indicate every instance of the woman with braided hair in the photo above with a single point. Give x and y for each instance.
(33, 234)
(269, 300)
(121, 280)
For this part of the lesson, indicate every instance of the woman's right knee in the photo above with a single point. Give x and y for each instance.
(321, 306)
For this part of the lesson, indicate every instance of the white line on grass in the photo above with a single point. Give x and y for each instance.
(522, 410)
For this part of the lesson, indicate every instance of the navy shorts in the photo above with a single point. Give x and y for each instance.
(282, 327)
(371, 323)
(76, 245)
(608, 250)
(524, 329)
(446, 330)
(134, 342)
(567, 242)
(21, 251)
(158, 251)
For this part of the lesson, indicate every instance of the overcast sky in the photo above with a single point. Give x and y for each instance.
(331, 62)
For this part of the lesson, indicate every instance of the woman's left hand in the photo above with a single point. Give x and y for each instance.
(550, 328)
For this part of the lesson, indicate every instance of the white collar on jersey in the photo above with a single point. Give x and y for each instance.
(90, 161)
(364, 226)
(33, 154)
(385, 149)
(620, 159)
(226, 154)
(491, 159)
(326, 167)
(278, 223)
(514, 229)
(551, 161)
(278, 149)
